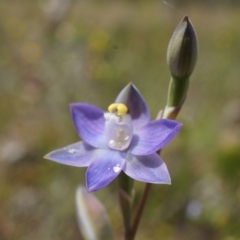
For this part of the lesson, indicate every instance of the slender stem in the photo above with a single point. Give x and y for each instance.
(125, 206)
(139, 210)
(125, 185)
(138, 214)
(177, 91)
(177, 94)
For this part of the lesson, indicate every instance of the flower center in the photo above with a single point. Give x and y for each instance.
(118, 127)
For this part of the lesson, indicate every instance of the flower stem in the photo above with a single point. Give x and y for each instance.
(125, 185)
(171, 113)
(139, 210)
(177, 91)
(125, 206)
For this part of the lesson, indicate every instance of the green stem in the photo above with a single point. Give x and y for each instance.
(177, 91)
(125, 186)
(139, 211)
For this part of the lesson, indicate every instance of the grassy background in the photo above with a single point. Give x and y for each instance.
(53, 53)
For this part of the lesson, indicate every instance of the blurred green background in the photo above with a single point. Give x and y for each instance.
(56, 52)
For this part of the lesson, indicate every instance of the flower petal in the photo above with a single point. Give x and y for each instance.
(150, 168)
(90, 124)
(154, 136)
(77, 154)
(131, 97)
(105, 167)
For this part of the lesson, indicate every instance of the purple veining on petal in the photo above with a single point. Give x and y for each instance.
(105, 167)
(77, 155)
(154, 136)
(131, 97)
(90, 124)
(150, 168)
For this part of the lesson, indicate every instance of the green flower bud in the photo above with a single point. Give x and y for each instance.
(182, 50)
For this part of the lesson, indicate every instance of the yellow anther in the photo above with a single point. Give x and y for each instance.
(122, 109)
(113, 108)
(119, 108)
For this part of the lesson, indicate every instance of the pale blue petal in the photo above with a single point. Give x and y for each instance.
(90, 124)
(77, 155)
(154, 136)
(150, 168)
(105, 167)
(131, 97)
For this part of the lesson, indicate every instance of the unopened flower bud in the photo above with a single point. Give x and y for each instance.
(182, 50)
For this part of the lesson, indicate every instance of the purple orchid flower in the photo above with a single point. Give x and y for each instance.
(123, 139)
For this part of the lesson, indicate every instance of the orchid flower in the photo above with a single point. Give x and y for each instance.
(121, 139)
